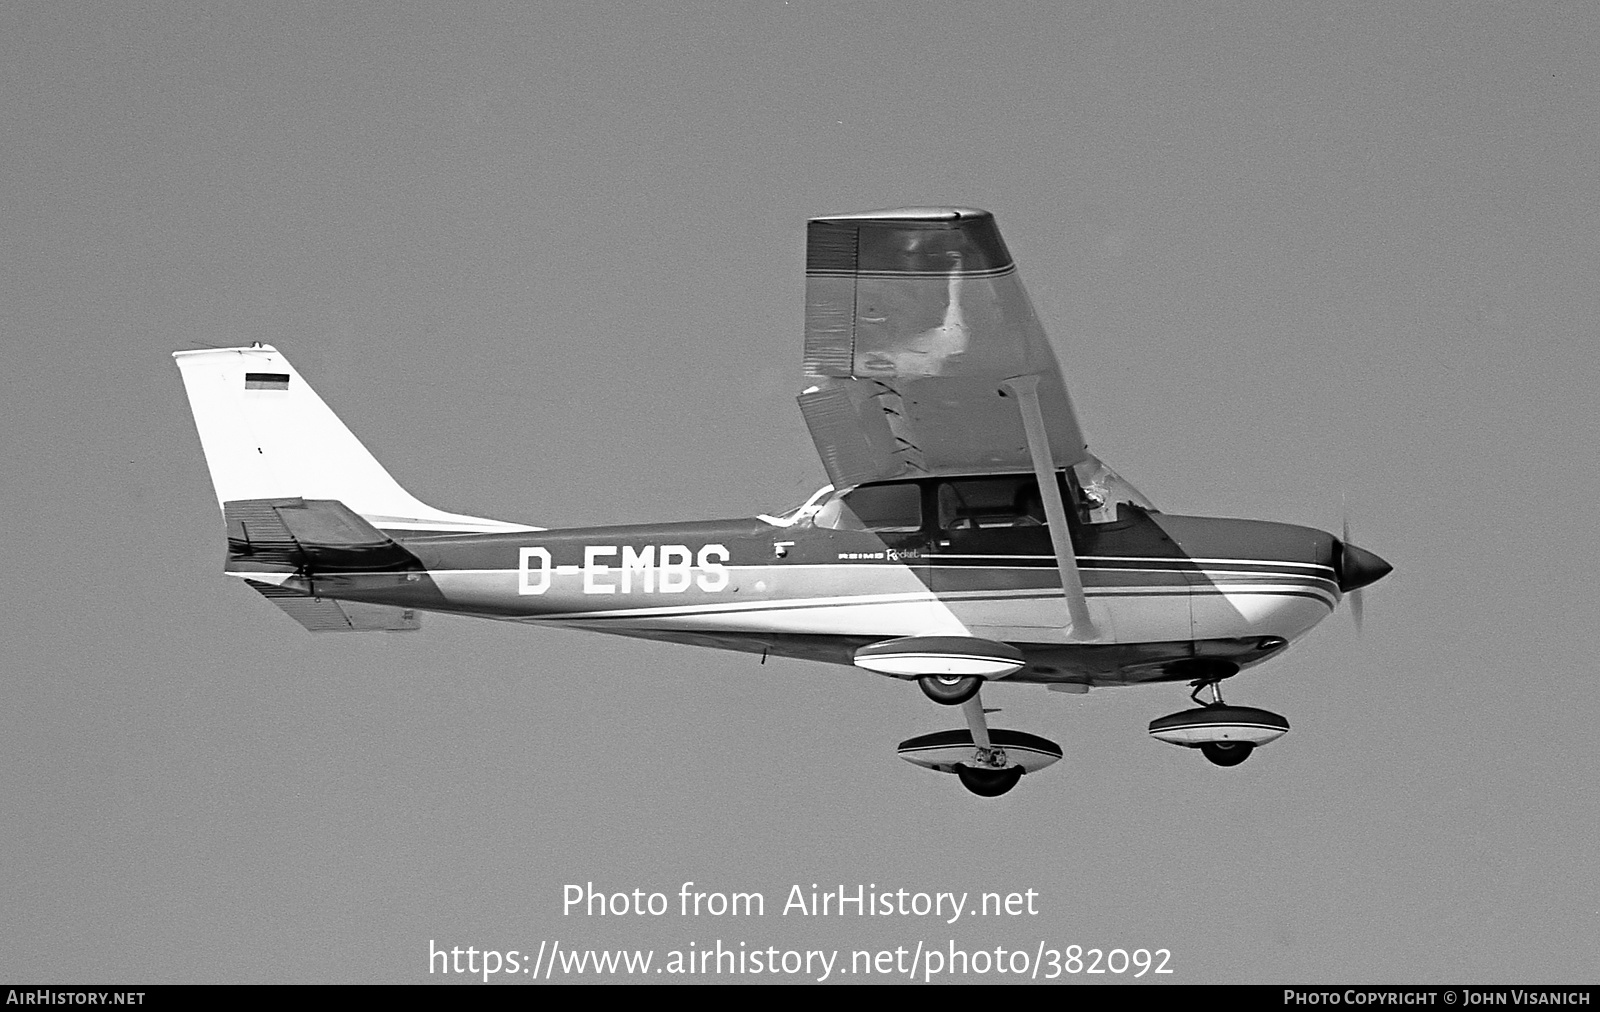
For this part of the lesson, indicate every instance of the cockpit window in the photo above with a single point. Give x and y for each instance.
(973, 503)
(883, 508)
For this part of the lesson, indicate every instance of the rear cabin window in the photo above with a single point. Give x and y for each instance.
(883, 508)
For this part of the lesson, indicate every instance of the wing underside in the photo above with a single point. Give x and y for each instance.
(915, 320)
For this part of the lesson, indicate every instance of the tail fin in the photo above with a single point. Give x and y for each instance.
(267, 435)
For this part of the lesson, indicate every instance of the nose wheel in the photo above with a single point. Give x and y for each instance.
(1227, 753)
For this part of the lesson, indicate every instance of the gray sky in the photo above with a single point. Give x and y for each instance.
(546, 261)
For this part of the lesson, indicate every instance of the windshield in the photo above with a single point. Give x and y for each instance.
(1101, 489)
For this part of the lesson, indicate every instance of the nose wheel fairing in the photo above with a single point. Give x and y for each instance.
(1226, 735)
(1219, 723)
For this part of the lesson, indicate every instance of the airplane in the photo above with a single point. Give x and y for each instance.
(967, 535)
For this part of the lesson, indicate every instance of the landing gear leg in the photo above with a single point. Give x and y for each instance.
(988, 775)
(972, 709)
(1199, 684)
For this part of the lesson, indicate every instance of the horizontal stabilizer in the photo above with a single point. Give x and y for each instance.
(321, 614)
(310, 535)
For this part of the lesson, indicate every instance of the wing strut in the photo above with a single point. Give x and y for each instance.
(1026, 389)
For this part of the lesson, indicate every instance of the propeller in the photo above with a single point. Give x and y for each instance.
(1356, 568)
(1356, 606)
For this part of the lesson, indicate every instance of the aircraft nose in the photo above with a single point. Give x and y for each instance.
(1358, 567)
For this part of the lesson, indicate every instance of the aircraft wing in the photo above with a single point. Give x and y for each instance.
(915, 318)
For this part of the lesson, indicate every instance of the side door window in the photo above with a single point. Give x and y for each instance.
(992, 559)
(989, 504)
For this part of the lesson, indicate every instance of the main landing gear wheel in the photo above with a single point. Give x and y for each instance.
(950, 690)
(988, 783)
(1227, 753)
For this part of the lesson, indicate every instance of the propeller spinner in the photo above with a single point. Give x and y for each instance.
(1356, 568)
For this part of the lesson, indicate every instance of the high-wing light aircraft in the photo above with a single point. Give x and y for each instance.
(967, 536)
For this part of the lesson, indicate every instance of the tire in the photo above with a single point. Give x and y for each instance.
(988, 783)
(1227, 753)
(950, 690)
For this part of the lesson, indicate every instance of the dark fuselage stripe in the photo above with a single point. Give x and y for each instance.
(713, 609)
(991, 272)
